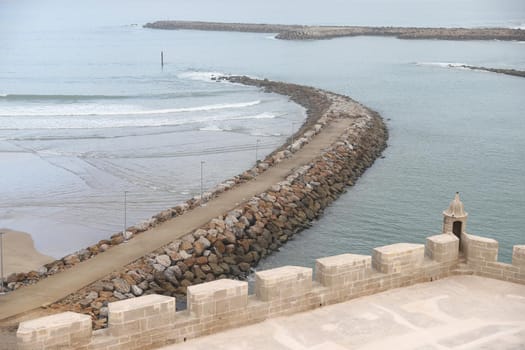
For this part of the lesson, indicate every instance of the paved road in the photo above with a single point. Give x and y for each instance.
(62, 284)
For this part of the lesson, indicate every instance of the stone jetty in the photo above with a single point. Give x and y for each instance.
(300, 32)
(507, 71)
(230, 245)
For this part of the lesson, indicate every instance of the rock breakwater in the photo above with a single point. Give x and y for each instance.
(300, 32)
(231, 244)
(513, 72)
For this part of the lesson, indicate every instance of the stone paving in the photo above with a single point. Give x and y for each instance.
(459, 312)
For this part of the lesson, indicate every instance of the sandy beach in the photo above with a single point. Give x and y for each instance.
(20, 254)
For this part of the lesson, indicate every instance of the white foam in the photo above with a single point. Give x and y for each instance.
(441, 64)
(65, 110)
(257, 116)
(202, 76)
(211, 128)
(28, 123)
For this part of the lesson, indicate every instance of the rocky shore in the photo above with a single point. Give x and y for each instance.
(298, 32)
(230, 245)
(513, 72)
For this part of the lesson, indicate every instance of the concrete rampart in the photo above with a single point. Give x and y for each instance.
(397, 257)
(442, 248)
(151, 321)
(482, 257)
(67, 330)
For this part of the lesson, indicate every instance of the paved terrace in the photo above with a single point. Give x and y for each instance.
(459, 312)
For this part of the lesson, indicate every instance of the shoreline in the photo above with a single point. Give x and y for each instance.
(338, 142)
(302, 32)
(20, 253)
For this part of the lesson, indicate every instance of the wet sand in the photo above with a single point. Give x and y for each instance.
(20, 254)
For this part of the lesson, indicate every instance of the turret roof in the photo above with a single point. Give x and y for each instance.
(455, 209)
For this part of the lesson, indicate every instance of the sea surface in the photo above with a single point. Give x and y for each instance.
(87, 113)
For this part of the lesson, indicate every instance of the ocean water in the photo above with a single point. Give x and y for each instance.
(87, 112)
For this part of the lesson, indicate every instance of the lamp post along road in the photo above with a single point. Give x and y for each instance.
(293, 128)
(202, 176)
(257, 151)
(124, 233)
(2, 291)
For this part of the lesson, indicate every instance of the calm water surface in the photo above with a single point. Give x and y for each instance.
(86, 113)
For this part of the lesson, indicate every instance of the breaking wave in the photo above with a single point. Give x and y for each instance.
(110, 110)
(30, 123)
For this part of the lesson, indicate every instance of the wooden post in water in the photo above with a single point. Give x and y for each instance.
(162, 58)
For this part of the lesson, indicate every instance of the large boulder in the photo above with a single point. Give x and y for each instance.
(121, 285)
(71, 259)
(163, 260)
(137, 291)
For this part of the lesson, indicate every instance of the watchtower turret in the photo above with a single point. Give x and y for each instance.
(455, 218)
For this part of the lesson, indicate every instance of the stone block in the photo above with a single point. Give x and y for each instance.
(480, 248)
(66, 330)
(398, 257)
(132, 316)
(283, 283)
(217, 297)
(442, 248)
(518, 256)
(342, 270)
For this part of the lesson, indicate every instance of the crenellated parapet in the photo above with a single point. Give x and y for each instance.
(442, 248)
(152, 321)
(398, 257)
(481, 255)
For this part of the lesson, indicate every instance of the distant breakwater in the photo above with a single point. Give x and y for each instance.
(300, 32)
(513, 72)
(232, 244)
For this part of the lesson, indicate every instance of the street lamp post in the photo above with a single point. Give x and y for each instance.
(293, 128)
(2, 291)
(124, 233)
(257, 151)
(202, 179)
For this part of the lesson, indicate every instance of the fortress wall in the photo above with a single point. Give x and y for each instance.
(151, 321)
(397, 257)
(518, 256)
(66, 330)
(479, 250)
(442, 248)
(482, 255)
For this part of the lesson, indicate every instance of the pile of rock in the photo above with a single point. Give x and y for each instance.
(312, 99)
(230, 245)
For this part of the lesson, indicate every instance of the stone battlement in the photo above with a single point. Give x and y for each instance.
(151, 321)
